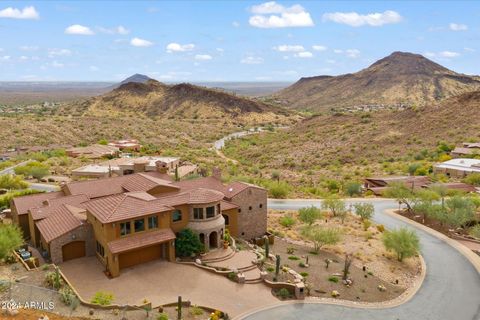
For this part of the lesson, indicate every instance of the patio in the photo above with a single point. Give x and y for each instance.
(162, 282)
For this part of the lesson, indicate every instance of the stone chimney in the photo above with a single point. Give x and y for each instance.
(217, 173)
(139, 165)
(161, 166)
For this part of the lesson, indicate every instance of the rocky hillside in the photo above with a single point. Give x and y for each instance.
(184, 100)
(401, 78)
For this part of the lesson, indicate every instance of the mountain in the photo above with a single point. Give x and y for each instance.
(153, 98)
(401, 78)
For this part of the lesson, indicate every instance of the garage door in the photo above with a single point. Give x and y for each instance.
(139, 256)
(73, 250)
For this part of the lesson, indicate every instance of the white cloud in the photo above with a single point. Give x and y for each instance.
(236, 24)
(352, 53)
(319, 47)
(58, 52)
(338, 51)
(137, 42)
(176, 47)
(469, 49)
(458, 27)
(274, 15)
(252, 60)
(23, 58)
(29, 48)
(357, 20)
(289, 48)
(304, 54)
(79, 30)
(203, 57)
(5, 58)
(14, 13)
(116, 30)
(442, 54)
(448, 54)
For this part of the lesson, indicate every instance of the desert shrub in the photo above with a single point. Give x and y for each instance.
(162, 316)
(301, 265)
(334, 204)
(9, 181)
(290, 250)
(473, 179)
(404, 242)
(333, 279)
(187, 243)
(102, 298)
(287, 221)
(196, 311)
(270, 269)
(475, 231)
(284, 293)
(67, 296)
(53, 279)
(353, 188)
(10, 239)
(6, 198)
(381, 228)
(321, 236)
(293, 258)
(364, 210)
(309, 215)
(304, 274)
(366, 224)
(279, 190)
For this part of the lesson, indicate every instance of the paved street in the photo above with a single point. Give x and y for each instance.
(451, 290)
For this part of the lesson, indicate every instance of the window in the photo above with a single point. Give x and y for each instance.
(152, 222)
(210, 212)
(177, 215)
(260, 206)
(239, 209)
(227, 219)
(197, 213)
(139, 225)
(250, 208)
(125, 228)
(100, 250)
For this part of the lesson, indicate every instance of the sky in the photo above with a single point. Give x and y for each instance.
(228, 40)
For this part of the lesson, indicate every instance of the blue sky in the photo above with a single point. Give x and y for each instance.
(228, 40)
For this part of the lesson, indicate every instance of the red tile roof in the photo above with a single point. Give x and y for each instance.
(62, 220)
(125, 206)
(143, 182)
(23, 203)
(142, 240)
(42, 212)
(224, 205)
(229, 190)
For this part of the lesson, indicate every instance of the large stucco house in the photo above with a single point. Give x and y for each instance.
(133, 219)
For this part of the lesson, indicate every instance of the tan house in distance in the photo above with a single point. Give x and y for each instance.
(468, 149)
(133, 219)
(126, 145)
(95, 151)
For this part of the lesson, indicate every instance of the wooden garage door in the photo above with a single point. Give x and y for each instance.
(73, 250)
(139, 256)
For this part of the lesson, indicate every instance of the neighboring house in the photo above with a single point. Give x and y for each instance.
(95, 151)
(132, 219)
(126, 145)
(125, 166)
(378, 185)
(458, 168)
(467, 149)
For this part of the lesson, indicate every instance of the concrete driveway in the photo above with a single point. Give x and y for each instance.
(162, 282)
(451, 290)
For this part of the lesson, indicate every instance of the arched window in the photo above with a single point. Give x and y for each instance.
(227, 219)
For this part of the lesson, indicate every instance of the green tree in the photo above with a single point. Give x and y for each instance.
(321, 236)
(8, 181)
(460, 210)
(334, 205)
(275, 175)
(279, 190)
(353, 188)
(404, 242)
(364, 210)
(473, 179)
(441, 190)
(39, 172)
(309, 215)
(412, 169)
(287, 221)
(102, 298)
(10, 239)
(402, 194)
(187, 243)
(424, 201)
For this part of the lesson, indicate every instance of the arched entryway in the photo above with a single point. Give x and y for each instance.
(213, 240)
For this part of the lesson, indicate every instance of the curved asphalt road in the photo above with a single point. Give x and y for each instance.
(451, 290)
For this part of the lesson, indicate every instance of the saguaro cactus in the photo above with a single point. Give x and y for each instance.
(277, 265)
(267, 248)
(179, 308)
